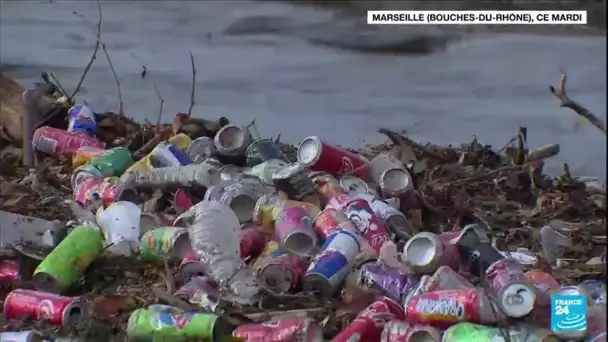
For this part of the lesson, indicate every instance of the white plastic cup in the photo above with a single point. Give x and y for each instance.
(121, 224)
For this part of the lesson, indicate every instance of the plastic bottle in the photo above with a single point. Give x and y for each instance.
(215, 237)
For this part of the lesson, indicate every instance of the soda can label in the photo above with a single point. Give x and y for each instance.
(82, 119)
(444, 308)
(160, 242)
(368, 224)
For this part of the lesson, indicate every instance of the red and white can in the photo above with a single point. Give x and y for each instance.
(367, 223)
(401, 331)
(320, 156)
(329, 220)
(283, 273)
(86, 192)
(190, 267)
(370, 322)
(9, 273)
(514, 294)
(57, 141)
(58, 310)
(286, 329)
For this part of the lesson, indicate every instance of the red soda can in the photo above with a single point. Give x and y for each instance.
(286, 329)
(329, 220)
(253, 242)
(283, 273)
(507, 282)
(57, 141)
(401, 331)
(58, 310)
(190, 267)
(367, 223)
(370, 322)
(9, 273)
(544, 285)
(339, 202)
(108, 191)
(320, 156)
(442, 309)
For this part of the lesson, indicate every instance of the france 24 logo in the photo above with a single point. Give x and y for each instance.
(568, 313)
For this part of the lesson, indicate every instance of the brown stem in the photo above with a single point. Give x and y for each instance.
(116, 80)
(193, 93)
(93, 57)
(566, 102)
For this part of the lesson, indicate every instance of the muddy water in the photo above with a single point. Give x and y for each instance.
(301, 72)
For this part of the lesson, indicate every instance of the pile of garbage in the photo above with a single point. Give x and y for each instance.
(202, 230)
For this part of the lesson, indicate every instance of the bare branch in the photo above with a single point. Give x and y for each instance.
(146, 72)
(193, 93)
(566, 102)
(93, 57)
(58, 84)
(116, 80)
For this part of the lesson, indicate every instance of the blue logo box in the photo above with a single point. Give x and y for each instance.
(568, 313)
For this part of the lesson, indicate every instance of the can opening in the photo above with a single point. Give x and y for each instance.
(308, 151)
(74, 314)
(420, 251)
(129, 195)
(181, 247)
(276, 278)
(299, 243)
(45, 282)
(243, 207)
(231, 137)
(421, 336)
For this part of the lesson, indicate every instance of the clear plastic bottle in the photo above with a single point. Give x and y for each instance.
(174, 176)
(215, 237)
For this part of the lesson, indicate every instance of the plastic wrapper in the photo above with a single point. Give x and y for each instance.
(215, 237)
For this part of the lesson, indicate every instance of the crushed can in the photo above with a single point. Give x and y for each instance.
(507, 283)
(292, 179)
(369, 323)
(57, 141)
(9, 274)
(394, 219)
(445, 278)
(281, 329)
(109, 190)
(401, 331)
(330, 219)
(282, 273)
(354, 185)
(114, 162)
(330, 266)
(339, 202)
(232, 140)
(384, 280)
(82, 119)
(253, 241)
(166, 242)
(68, 261)
(293, 230)
(441, 309)
(263, 150)
(85, 154)
(190, 267)
(266, 209)
(368, 224)
(425, 252)
(328, 187)
(196, 291)
(84, 172)
(58, 310)
(201, 149)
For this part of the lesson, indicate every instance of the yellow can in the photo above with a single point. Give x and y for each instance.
(181, 141)
(85, 154)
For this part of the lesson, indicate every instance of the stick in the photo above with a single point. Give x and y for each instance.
(59, 86)
(116, 80)
(566, 102)
(93, 57)
(522, 145)
(193, 93)
(161, 101)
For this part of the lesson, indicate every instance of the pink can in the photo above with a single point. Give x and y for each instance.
(253, 242)
(320, 156)
(90, 189)
(514, 295)
(283, 273)
(57, 141)
(190, 267)
(293, 229)
(339, 202)
(282, 329)
(370, 322)
(367, 223)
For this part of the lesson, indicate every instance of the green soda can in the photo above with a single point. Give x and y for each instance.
(68, 261)
(114, 162)
(163, 323)
(171, 242)
(469, 332)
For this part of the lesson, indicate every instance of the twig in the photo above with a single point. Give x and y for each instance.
(566, 102)
(93, 57)
(193, 93)
(522, 145)
(116, 80)
(58, 84)
(145, 72)
(507, 144)
(169, 278)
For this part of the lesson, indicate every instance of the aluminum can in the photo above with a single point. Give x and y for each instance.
(84, 172)
(9, 274)
(367, 223)
(57, 141)
(283, 329)
(253, 241)
(263, 150)
(293, 230)
(84, 155)
(82, 119)
(401, 331)
(354, 185)
(329, 268)
(282, 273)
(320, 156)
(329, 220)
(369, 323)
(508, 284)
(170, 242)
(292, 179)
(190, 267)
(108, 190)
(232, 140)
(58, 310)
(201, 149)
(339, 202)
(197, 291)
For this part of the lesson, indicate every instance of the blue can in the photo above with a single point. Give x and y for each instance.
(82, 119)
(166, 155)
(595, 289)
(329, 268)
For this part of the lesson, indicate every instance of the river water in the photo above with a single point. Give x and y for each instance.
(479, 84)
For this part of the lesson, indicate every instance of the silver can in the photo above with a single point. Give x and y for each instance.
(395, 182)
(232, 140)
(354, 185)
(201, 149)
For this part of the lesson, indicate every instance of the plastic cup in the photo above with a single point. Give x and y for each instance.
(121, 224)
